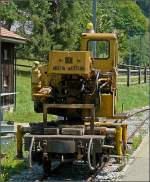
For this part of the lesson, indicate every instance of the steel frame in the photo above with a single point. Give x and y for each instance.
(70, 106)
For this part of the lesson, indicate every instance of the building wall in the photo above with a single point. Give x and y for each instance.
(8, 72)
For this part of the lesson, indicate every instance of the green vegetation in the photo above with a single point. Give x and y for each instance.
(144, 5)
(135, 96)
(136, 142)
(131, 97)
(59, 24)
(24, 105)
(133, 79)
(10, 165)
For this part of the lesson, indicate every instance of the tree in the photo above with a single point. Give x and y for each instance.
(144, 5)
(59, 23)
(56, 24)
(130, 22)
(130, 18)
(105, 15)
(8, 14)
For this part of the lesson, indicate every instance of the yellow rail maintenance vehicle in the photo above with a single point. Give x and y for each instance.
(80, 87)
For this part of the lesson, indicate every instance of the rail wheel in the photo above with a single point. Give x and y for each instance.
(95, 159)
(46, 165)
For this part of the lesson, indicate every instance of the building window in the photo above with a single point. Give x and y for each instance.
(5, 54)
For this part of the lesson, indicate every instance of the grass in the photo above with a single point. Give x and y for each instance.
(136, 142)
(131, 97)
(135, 96)
(24, 105)
(133, 79)
(10, 165)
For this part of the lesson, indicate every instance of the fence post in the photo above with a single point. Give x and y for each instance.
(128, 76)
(145, 72)
(139, 73)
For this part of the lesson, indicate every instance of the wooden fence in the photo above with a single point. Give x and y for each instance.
(132, 71)
(130, 74)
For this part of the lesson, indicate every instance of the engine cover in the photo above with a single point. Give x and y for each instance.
(69, 62)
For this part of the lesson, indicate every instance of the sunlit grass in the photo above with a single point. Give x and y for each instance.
(10, 165)
(24, 104)
(135, 96)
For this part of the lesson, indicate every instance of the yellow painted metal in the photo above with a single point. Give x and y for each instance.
(80, 63)
(104, 65)
(19, 136)
(69, 62)
(106, 106)
(36, 78)
(118, 140)
(98, 36)
(124, 138)
(39, 80)
(120, 137)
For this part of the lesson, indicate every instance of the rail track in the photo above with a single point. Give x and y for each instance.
(79, 171)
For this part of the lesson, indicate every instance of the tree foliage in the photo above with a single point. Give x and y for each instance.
(58, 24)
(8, 14)
(144, 5)
(131, 25)
(55, 24)
(130, 18)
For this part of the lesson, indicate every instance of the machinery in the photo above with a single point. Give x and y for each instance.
(80, 88)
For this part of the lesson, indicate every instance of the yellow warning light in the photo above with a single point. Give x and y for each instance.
(89, 27)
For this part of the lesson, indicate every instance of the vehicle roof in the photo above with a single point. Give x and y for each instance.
(108, 36)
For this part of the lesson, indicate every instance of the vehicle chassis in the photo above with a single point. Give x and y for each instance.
(91, 148)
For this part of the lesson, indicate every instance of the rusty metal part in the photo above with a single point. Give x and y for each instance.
(72, 126)
(51, 131)
(26, 129)
(60, 146)
(19, 137)
(71, 106)
(72, 131)
(101, 130)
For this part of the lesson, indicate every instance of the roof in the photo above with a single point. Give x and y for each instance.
(107, 36)
(9, 36)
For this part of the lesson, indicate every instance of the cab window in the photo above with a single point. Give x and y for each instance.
(100, 49)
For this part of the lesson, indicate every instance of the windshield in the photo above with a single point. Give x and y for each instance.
(99, 48)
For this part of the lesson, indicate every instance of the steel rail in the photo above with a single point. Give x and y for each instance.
(137, 129)
(129, 116)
